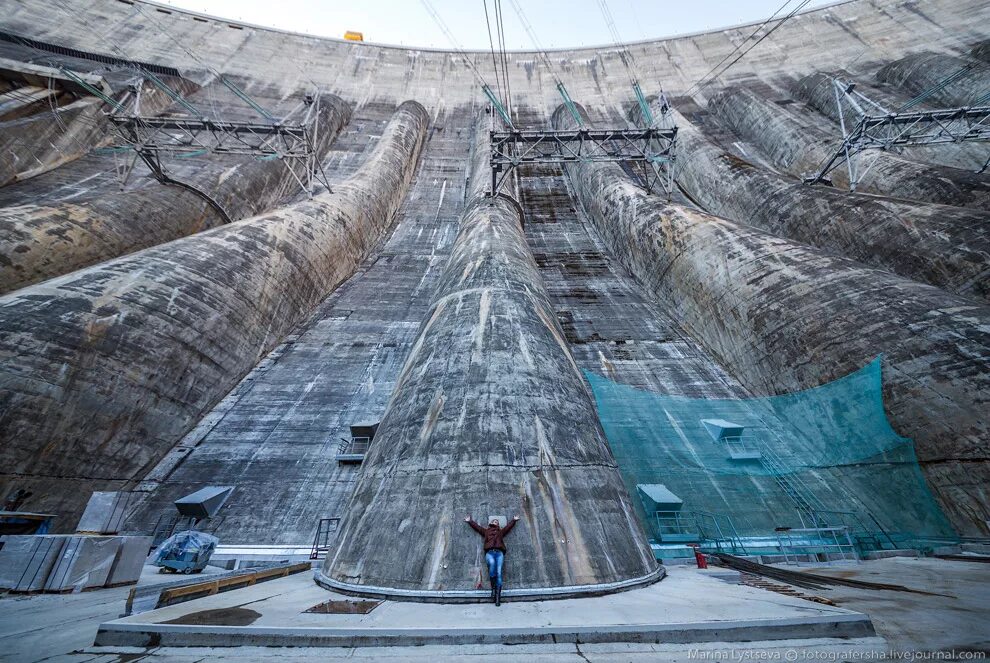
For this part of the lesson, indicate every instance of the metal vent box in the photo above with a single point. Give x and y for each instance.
(204, 502)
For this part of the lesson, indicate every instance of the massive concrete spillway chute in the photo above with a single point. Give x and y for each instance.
(799, 148)
(223, 350)
(102, 370)
(818, 91)
(490, 416)
(937, 383)
(938, 244)
(939, 78)
(44, 241)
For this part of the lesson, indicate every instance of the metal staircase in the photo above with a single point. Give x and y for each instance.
(326, 528)
(809, 507)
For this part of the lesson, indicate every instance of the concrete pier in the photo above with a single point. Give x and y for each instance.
(945, 246)
(945, 80)
(103, 370)
(742, 293)
(44, 241)
(490, 416)
(798, 148)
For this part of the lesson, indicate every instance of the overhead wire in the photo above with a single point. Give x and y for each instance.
(709, 78)
(455, 44)
(491, 44)
(617, 40)
(499, 15)
(536, 42)
(453, 41)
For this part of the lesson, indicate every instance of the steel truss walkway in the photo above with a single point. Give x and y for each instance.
(652, 146)
(883, 129)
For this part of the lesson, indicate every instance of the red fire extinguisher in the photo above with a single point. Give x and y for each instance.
(699, 557)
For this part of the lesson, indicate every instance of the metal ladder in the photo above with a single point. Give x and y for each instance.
(321, 542)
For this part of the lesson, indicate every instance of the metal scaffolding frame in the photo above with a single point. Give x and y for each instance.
(152, 137)
(651, 146)
(881, 129)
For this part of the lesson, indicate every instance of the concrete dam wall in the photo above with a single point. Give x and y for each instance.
(147, 347)
(44, 241)
(490, 415)
(169, 330)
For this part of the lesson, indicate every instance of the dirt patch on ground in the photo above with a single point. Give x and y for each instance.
(218, 617)
(345, 607)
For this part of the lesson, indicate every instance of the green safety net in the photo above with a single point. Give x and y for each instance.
(829, 450)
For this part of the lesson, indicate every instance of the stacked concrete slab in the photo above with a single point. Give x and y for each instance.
(60, 563)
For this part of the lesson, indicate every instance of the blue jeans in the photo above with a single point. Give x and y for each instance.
(495, 559)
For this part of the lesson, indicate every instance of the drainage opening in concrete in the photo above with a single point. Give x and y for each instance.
(345, 607)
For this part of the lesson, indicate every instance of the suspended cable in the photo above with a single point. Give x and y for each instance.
(453, 41)
(617, 40)
(505, 58)
(492, 97)
(178, 98)
(491, 44)
(925, 94)
(536, 42)
(702, 81)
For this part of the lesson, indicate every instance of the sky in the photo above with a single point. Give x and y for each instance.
(556, 23)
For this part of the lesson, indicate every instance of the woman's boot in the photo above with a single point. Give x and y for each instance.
(492, 581)
(498, 596)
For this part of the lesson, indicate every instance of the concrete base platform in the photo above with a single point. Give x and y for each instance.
(686, 607)
(884, 554)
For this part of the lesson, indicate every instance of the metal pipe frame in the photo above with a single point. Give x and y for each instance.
(655, 147)
(887, 129)
(293, 144)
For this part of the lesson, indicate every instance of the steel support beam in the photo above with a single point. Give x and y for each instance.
(881, 129)
(293, 144)
(654, 147)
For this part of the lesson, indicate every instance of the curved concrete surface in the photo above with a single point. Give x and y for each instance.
(102, 370)
(490, 415)
(930, 73)
(817, 90)
(56, 135)
(765, 306)
(30, 146)
(859, 35)
(937, 244)
(39, 242)
(859, 30)
(798, 148)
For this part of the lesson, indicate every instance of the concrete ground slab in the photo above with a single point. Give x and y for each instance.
(951, 617)
(824, 649)
(687, 607)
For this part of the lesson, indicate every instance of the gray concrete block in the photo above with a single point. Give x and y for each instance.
(884, 554)
(979, 548)
(85, 562)
(26, 561)
(105, 512)
(129, 561)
